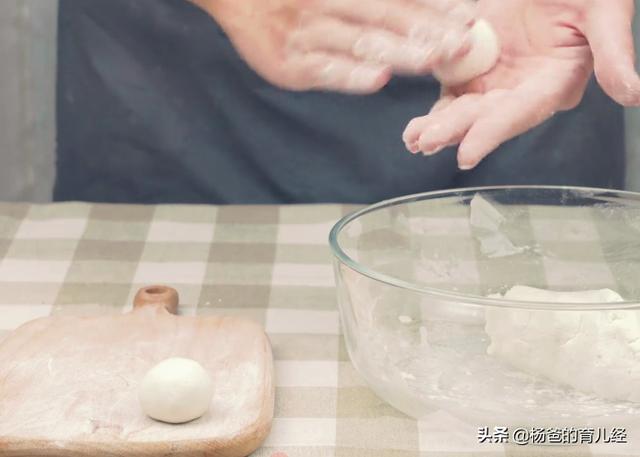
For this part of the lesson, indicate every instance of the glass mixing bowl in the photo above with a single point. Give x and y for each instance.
(421, 283)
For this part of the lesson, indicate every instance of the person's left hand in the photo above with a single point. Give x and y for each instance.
(549, 49)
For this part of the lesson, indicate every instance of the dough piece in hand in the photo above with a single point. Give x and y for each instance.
(176, 390)
(483, 56)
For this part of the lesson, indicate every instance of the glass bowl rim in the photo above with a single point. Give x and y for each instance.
(468, 299)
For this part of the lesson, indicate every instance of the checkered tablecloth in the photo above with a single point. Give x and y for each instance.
(268, 263)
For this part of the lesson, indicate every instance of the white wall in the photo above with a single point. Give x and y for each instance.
(27, 108)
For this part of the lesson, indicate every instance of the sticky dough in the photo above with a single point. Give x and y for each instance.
(483, 56)
(176, 390)
(595, 351)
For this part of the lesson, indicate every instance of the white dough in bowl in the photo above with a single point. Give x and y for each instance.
(595, 352)
(483, 56)
(176, 390)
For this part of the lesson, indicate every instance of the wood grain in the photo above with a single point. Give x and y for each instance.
(68, 385)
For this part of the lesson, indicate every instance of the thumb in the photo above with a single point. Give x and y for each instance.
(608, 28)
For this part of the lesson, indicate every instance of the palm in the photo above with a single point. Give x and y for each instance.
(536, 38)
(544, 67)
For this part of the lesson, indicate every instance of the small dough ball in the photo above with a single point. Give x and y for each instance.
(483, 56)
(176, 390)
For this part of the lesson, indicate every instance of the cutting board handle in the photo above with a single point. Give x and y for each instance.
(159, 296)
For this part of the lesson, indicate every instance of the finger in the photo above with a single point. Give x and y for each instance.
(449, 125)
(414, 21)
(609, 31)
(445, 126)
(509, 113)
(334, 72)
(461, 10)
(361, 43)
(441, 104)
(412, 131)
(414, 128)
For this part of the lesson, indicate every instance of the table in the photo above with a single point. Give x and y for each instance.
(271, 264)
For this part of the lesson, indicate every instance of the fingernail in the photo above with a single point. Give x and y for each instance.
(432, 150)
(421, 35)
(328, 74)
(467, 167)
(419, 56)
(413, 148)
(452, 42)
(373, 47)
(363, 77)
(463, 14)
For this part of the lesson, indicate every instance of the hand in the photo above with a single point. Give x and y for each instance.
(345, 45)
(549, 52)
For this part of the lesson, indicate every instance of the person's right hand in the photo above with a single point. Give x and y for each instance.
(344, 45)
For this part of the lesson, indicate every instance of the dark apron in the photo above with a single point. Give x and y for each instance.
(154, 105)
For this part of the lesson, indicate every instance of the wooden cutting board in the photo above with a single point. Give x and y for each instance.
(68, 385)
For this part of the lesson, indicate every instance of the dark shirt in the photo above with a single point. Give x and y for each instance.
(155, 105)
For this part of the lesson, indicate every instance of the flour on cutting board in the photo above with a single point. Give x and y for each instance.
(68, 392)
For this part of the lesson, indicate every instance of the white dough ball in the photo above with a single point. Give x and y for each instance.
(176, 390)
(483, 56)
